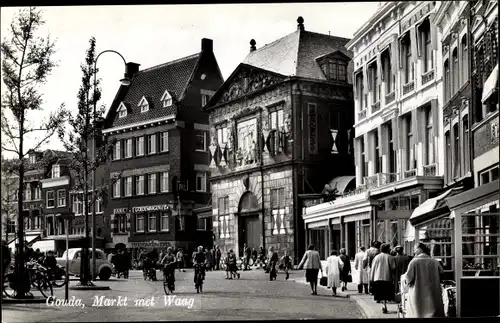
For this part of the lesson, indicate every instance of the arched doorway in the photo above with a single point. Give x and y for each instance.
(249, 222)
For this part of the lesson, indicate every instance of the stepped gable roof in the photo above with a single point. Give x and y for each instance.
(296, 53)
(152, 83)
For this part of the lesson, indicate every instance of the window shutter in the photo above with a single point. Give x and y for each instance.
(365, 77)
(356, 84)
(399, 129)
(433, 30)
(379, 69)
(414, 44)
(422, 124)
(435, 119)
(394, 56)
(414, 127)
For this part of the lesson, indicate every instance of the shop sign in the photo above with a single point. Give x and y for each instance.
(149, 244)
(122, 210)
(148, 208)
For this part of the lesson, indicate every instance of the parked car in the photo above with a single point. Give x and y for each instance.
(104, 268)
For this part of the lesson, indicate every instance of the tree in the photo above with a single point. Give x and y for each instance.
(85, 130)
(9, 193)
(27, 62)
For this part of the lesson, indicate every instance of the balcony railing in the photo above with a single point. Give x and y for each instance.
(362, 114)
(371, 181)
(408, 87)
(410, 173)
(380, 179)
(430, 170)
(390, 97)
(375, 107)
(427, 77)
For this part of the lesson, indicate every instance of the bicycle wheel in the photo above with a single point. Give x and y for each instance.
(165, 284)
(60, 280)
(44, 286)
(8, 289)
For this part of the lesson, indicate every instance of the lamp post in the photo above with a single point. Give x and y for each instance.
(125, 82)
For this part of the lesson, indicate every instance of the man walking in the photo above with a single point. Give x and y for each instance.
(180, 260)
(217, 257)
(248, 253)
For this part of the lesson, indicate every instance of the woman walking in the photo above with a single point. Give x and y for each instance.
(334, 267)
(423, 276)
(383, 266)
(311, 262)
(362, 274)
(346, 269)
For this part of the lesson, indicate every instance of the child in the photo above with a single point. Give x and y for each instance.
(228, 270)
(232, 264)
(287, 264)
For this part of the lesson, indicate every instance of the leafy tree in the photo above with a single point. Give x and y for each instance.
(85, 130)
(27, 62)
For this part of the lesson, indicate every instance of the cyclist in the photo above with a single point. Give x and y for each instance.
(199, 263)
(150, 262)
(169, 259)
(273, 259)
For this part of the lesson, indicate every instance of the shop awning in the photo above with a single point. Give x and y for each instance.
(29, 239)
(491, 84)
(433, 208)
(45, 245)
(473, 198)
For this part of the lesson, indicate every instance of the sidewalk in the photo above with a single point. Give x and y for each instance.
(368, 306)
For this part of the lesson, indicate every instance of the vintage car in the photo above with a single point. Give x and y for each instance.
(104, 268)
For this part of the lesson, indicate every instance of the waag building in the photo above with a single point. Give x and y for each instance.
(161, 153)
(279, 128)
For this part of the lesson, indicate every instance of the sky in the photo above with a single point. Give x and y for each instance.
(154, 34)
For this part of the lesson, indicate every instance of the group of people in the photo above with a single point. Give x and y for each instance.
(122, 261)
(379, 270)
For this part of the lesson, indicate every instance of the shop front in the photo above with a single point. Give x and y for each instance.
(476, 245)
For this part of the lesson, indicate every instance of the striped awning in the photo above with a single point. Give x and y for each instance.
(491, 85)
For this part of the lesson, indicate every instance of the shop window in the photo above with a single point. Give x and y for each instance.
(381, 230)
(438, 235)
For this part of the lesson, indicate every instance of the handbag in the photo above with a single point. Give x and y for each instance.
(323, 281)
(349, 278)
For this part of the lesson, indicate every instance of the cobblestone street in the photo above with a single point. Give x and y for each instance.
(251, 297)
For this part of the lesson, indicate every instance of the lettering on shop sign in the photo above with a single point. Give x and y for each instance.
(163, 207)
(122, 210)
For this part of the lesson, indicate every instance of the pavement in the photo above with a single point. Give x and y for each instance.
(253, 297)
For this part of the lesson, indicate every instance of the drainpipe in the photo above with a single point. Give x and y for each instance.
(296, 209)
(262, 187)
(472, 92)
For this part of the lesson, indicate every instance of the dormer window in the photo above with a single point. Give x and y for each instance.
(122, 110)
(56, 171)
(334, 69)
(144, 105)
(166, 99)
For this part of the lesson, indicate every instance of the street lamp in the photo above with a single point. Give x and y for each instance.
(125, 81)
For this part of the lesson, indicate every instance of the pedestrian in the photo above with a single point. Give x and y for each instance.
(334, 265)
(362, 274)
(424, 281)
(287, 264)
(180, 260)
(262, 256)
(382, 271)
(311, 262)
(273, 259)
(218, 255)
(232, 265)
(345, 273)
(209, 260)
(162, 254)
(228, 270)
(402, 262)
(214, 257)
(254, 256)
(367, 261)
(127, 258)
(247, 252)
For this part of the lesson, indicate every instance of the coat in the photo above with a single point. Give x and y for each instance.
(402, 262)
(310, 260)
(333, 267)
(424, 293)
(383, 267)
(361, 275)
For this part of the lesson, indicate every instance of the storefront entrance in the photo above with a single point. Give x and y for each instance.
(249, 222)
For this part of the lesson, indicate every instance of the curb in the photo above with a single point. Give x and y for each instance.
(34, 300)
(89, 288)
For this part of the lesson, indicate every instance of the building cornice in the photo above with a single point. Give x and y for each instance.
(146, 123)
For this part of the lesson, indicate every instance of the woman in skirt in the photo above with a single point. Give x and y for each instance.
(311, 262)
(383, 267)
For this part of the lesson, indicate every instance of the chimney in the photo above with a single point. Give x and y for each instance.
(131, 69)
(252, 45)
(300, 26)
(207, 45)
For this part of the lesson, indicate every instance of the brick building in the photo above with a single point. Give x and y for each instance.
(161, 150)
(279, 128)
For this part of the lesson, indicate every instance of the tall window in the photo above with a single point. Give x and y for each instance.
(447, 85)
(61, 198)
(139, 146)
(139, 185)
(429, 136)
(465, 127)
(201, 141)
(448, 156)
(38, 192)
(77, 204)
(387, 70)
(277, 206)
(151, 183)
(247, 139)
(152, 144)
(98, 205)
(363, 165)
(128, 186)
(425, 35)
(128, 148)
(56, 171)
(51, 200)
(465, 59)
(276, 123)
(117, 188)
(410, 153)
(222, 136)
(378, 157)
(164, 221)
(392, 153)
(164, 182)
(361, 91)
(201, 181)
(152, 222)
(456, 151)
(28, 192)
(408, 64)
(204, 99)
(122, 222)
(455, 72)
(374, 82)
(164, 141)
(139, 222)
(33, 159)
(117, 151)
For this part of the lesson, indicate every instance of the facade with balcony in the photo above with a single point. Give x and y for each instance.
(161, 154)
(279, 126)
(398, 130)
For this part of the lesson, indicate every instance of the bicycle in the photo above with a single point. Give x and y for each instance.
(168, 278)
(198, 270)
(38, 278)
(57, 277)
